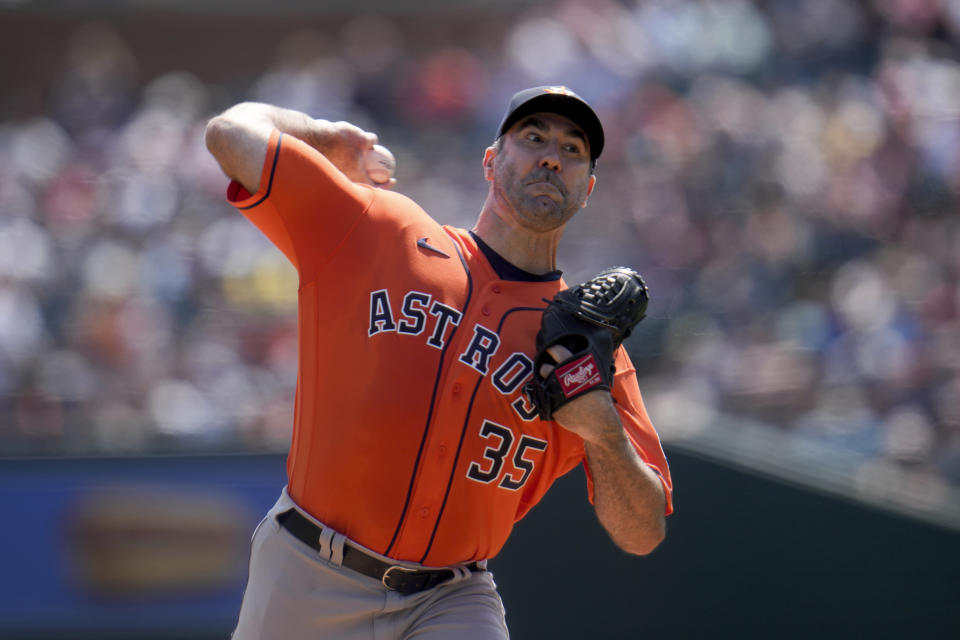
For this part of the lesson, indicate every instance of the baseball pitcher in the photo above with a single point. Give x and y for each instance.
(446, 376)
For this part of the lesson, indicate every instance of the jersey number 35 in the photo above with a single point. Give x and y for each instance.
(492, 467)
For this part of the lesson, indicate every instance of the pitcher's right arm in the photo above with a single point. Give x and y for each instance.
(238, 139)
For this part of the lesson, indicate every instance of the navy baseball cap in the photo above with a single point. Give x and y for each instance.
(560, 100)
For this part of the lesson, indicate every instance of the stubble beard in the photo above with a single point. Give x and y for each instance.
(538, 212)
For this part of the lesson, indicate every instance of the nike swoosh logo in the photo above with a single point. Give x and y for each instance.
(423, 244)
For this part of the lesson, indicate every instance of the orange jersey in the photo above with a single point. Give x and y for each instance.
(411, 434)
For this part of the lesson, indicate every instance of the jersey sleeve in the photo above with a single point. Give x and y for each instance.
(639, 428)
(304, 205)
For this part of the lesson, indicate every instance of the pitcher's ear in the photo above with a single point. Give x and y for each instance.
(590, 185)
(488, 157)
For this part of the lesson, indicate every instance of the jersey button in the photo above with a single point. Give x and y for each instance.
(496, 288)
(424, 512)
(442, 450)
(485, 310)
(457, 387)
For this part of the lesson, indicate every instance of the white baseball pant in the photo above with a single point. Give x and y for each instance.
(294, 592)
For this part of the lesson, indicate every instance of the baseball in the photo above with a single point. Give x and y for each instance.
(380, 164)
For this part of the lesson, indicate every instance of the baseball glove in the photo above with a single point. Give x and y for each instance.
(591, 320)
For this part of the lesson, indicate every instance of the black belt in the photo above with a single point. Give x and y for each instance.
(392, 576)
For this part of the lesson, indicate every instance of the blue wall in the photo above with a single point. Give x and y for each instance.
(744, 557)
(57, 522)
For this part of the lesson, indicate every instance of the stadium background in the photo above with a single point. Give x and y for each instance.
(784, 174)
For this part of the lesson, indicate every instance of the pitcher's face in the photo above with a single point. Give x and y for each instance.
(542, 170)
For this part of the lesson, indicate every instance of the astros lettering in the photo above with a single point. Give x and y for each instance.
(419, 316)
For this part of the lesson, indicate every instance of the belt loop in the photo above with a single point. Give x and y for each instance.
(326, 548)
(336, 549)
(460, 573)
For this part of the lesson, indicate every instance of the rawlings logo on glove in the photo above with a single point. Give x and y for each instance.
(578, 375)
(590, 321)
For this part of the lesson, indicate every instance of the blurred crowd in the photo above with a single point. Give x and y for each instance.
(786, 175)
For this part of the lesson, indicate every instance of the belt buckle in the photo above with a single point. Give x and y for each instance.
(386, 574)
